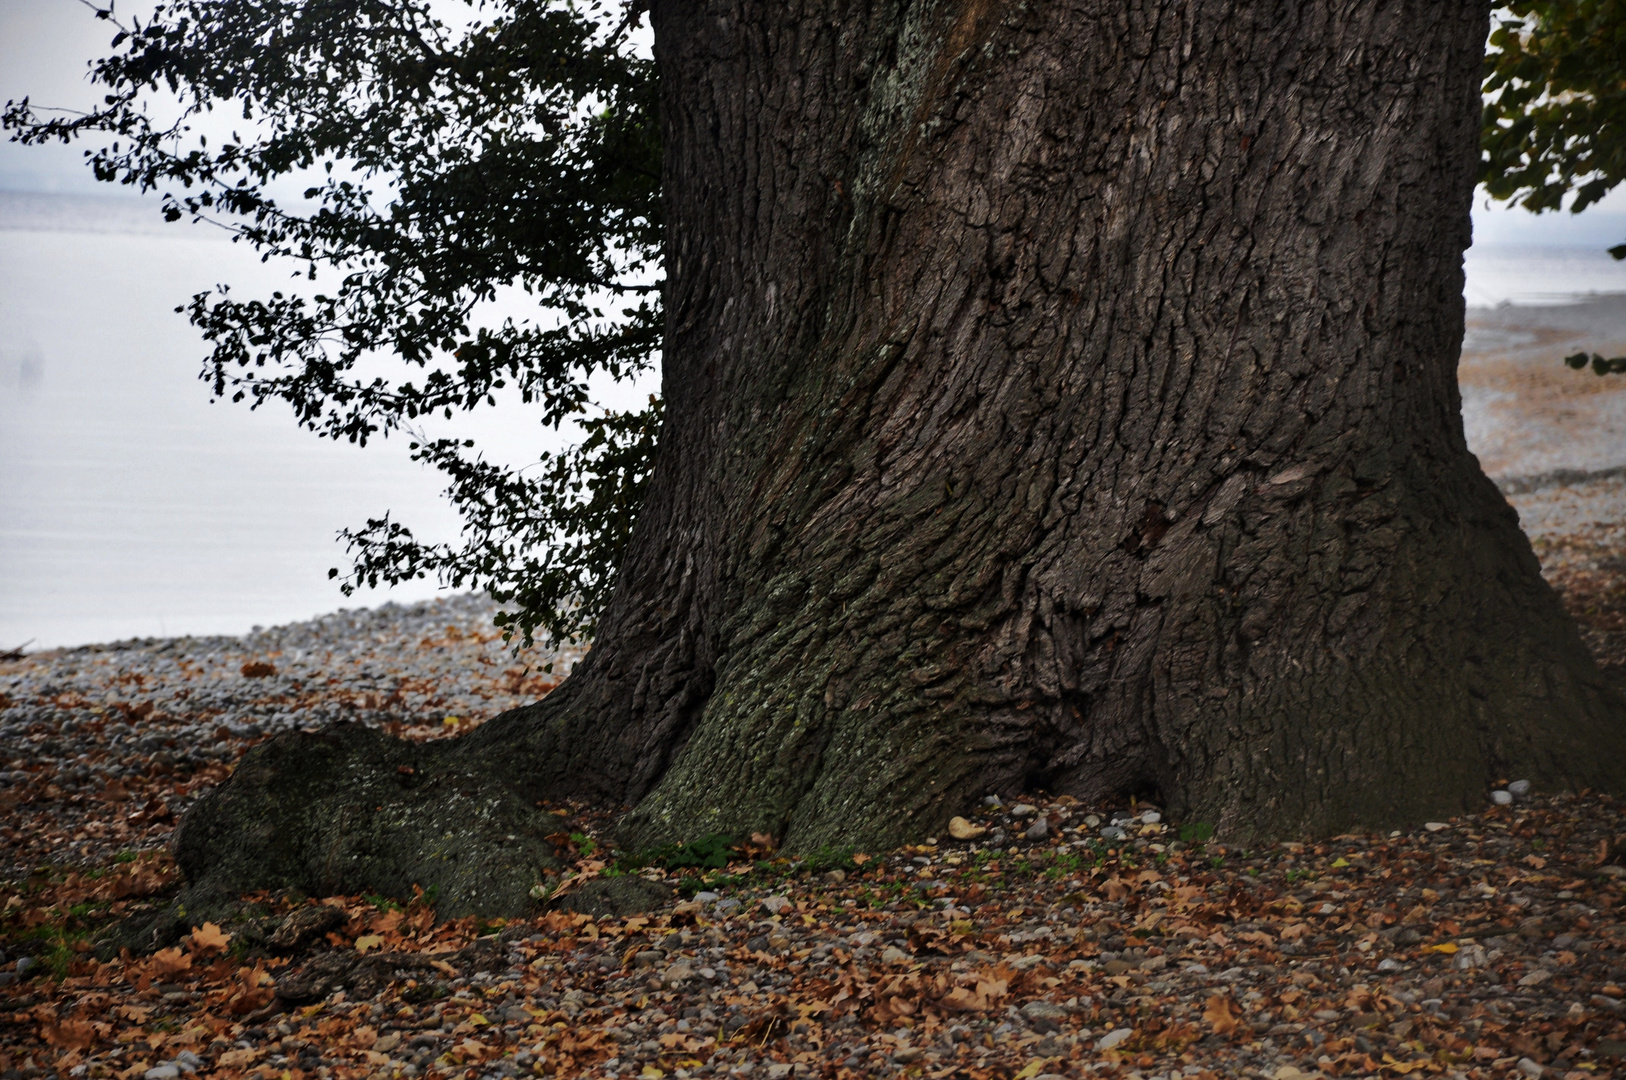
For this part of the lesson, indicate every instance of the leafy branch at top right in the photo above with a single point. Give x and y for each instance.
(1554, 122)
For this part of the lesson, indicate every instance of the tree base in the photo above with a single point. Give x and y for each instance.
(350, 810)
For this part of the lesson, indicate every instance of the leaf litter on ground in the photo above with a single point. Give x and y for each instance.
(1488, 946)
(1114, 944)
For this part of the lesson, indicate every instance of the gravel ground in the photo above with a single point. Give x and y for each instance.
(1554, 440)
(1097, 944)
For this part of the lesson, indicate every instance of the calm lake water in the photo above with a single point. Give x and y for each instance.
(130, 505)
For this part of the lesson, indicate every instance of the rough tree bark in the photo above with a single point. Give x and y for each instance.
(1060, 395)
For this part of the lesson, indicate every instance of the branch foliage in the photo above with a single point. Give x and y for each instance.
(432, 166)
(1554, 124)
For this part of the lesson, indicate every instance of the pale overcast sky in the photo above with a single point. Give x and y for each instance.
(45, 45)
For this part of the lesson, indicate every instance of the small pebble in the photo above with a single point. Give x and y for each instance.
(1113, 1038)
(1502, 798)
(1038, 830)
(1519, 788)
(1044, 1010)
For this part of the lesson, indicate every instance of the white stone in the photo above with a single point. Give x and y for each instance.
(776, 904)
(1502, 798)
(1435, 826)
(1519, 788)
(162, 1072)
(1530, 1068)
(1024, 809)
(1038, 830)
(894, 955)
(1113, 1038)
(1151, 817)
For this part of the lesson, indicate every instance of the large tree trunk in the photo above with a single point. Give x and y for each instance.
(1062, 395)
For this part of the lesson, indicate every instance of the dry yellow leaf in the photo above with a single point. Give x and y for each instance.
(209, 938)
(169, 961)
(1221, 1014)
